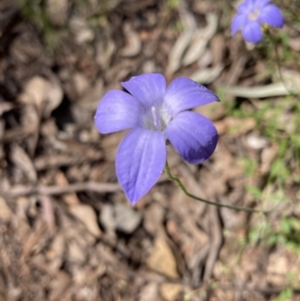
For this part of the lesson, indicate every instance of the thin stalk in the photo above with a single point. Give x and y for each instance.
(278, 61)
(182, 187)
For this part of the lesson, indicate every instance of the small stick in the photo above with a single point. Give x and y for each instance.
(56, 190)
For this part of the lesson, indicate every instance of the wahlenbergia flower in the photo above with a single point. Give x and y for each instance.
(252, 15)
(155, 114)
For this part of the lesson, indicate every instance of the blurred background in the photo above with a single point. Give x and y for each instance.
(67, 231)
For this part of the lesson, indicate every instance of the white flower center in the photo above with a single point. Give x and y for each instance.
(254, 14)
(156, 119)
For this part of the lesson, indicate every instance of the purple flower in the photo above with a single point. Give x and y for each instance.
(252, 15)
(155, 114)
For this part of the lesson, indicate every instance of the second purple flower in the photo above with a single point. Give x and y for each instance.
(252, 15)
(155, 114)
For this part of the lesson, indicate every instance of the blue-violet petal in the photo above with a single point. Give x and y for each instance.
(238, 22)
(117, 111)
(140, 160)
(193, 136)
(148, 89)
(245, 7)
(271, 15)
(259, 4)
(252, 32)
(184, 94)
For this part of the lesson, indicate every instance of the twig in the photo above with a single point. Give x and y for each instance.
(56, 190)
(216, 241)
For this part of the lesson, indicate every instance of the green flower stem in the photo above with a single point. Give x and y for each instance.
(278, 61)
(181, 186)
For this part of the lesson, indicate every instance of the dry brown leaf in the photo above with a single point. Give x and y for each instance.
(277, 269)
(5, 212)
(133, 41)
(59, 285)
(55, 255)
(34, 241)
(43, 93)
(236, 70)
(105, 52)
(235, 127)
(78, 156)
(31, 120)
(75, 252)
(208, 75)
(127, 219)
(226, 167)
(255, 141)
(276, 89)
(200, 39)
(22, 161)
(5, 107)
(153, 218)
(191, 44)
(213, 111)
(107, 217)
(294, 43)
(268, 155)
(205, 60)
(68, 198)
(80, 84)
(177, 51)
(57, 11)
(48, 212)
(170, 291)
(149, 292)
(87, 216)
(81, 30)
(291, 79)
(84, 276)
(217, 46)
(1, 139)
(89, 101)
(121, 217)
(162, 259)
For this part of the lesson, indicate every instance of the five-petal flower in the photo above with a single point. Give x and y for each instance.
(252, 15)
(155, 113)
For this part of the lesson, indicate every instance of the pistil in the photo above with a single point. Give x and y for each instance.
(254, 14)
(156, 118)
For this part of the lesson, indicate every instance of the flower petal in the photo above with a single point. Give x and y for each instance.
(140, 160)
(117, 111)
(148, 89)
(193, 136)
(258, 4)
(238, 22)
(245, 7)
(272, 16)
(184, 94)
(252, 32)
